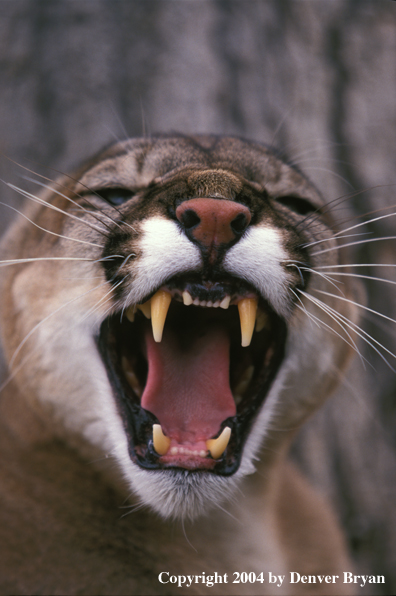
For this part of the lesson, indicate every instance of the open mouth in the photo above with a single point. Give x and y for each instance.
(190, 369)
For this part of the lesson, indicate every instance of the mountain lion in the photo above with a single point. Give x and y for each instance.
(169, 323)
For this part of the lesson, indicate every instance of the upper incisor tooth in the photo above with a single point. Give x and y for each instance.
(216, 447)
(187, 299)
(247, 313)
(225, 303)
(130, 313)
(145, 308)
(160, 303)
(160, 441)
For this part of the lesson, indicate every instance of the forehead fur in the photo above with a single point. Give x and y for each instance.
(221, 160)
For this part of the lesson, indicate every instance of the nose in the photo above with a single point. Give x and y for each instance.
(213, 222)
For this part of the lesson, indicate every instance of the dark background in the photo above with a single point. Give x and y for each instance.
(316, 78)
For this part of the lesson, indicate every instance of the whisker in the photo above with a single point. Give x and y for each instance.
(309, 244)
(280, 124)
(72, 201)
(320, 169)
(372, 212)
(336, 316)
(366, 241)
(302, 307)
(132, 509)
(354, 265)
(106, 298)
(324, 276)
(340, 235)
(6, 262)
(360, 332)
(312, 150)
(370, 277)
(323, 159)
(120, 122)
(238, 521)
(49, 231)
(33, 197)
(356, 304)
(93, 213)
(63, 186)
(321, 323)
(330, 205)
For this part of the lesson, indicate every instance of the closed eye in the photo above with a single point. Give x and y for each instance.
(115, 196)
(298, 205)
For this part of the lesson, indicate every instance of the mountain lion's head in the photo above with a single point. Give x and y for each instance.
(170, 309)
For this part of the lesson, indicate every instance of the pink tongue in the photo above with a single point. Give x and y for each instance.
(188, 386)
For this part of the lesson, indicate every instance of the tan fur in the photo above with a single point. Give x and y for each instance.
(66, 525)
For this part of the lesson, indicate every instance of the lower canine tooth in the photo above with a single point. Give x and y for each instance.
(247, 313)
(216, 447)
(160, 303)
(160, 441)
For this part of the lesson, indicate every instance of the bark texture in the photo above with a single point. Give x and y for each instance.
(316, 79)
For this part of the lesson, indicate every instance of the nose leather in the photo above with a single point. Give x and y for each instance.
(213, 222)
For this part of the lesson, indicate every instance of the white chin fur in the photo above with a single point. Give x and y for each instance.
(179, 494)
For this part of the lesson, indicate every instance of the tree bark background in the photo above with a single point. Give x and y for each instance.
(316, 79)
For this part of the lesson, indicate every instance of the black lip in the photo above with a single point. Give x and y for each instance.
(138, 422)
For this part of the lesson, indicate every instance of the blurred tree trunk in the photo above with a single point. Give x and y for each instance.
(316, 79)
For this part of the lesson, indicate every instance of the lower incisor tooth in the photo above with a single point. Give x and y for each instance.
(160, 303)
(160, 441)
(247, 313)
(216, 447)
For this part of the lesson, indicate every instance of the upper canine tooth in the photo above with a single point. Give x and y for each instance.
(160, 303)
(160, 441)
(247, 313)
(225, 303)
(216, 447)
(130, 313)
(187, 299)
(146, 309)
